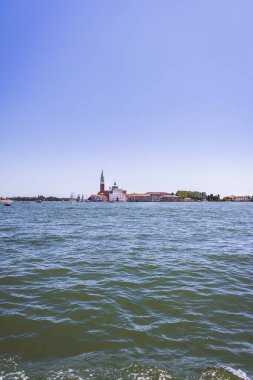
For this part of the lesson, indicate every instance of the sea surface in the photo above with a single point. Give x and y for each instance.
(136, 291)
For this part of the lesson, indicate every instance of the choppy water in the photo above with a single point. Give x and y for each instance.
(126, 291)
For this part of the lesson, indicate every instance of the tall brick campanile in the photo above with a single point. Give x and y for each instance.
(102, 183)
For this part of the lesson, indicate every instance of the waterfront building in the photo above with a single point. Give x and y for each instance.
(150, 196)
(156, 195)
(116, 194)
(139, 197)
(170, 198)
(238, 198)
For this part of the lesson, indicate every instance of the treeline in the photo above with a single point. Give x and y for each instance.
(213, 197)
(197, 195)
(39, 198)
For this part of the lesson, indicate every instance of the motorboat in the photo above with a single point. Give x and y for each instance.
(6, 202)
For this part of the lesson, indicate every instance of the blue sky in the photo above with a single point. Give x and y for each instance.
(157, 93)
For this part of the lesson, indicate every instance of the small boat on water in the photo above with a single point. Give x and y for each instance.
(6, 202)
(72, 199)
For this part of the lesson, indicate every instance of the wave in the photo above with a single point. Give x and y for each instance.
(12, 369)
(223, 372)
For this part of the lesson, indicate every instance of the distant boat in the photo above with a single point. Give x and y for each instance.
(6, 202)
(72, 199)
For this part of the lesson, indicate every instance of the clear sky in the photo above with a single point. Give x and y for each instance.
(157, 93)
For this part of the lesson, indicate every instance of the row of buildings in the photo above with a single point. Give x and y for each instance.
(238, 198)
(115, 194)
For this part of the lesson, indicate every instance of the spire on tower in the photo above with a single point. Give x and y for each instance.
(102, 176)
(102, 182)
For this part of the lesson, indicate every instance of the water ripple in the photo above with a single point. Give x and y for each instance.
(130, 291)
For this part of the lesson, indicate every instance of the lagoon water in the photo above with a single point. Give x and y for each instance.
(150, 291)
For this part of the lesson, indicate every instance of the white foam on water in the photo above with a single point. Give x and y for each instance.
(19, 375)
(10, 369)
(68, 374)
(222, 372)
(135, 372)
(236, 372)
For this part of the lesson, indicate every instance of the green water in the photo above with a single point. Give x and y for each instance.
(126, 291)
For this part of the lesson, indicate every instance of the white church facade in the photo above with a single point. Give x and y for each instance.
(116, 194)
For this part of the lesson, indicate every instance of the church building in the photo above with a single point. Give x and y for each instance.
(114, 194)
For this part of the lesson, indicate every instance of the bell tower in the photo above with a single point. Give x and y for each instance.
(102, 183)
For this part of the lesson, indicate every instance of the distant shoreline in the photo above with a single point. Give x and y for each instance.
(66, 200)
